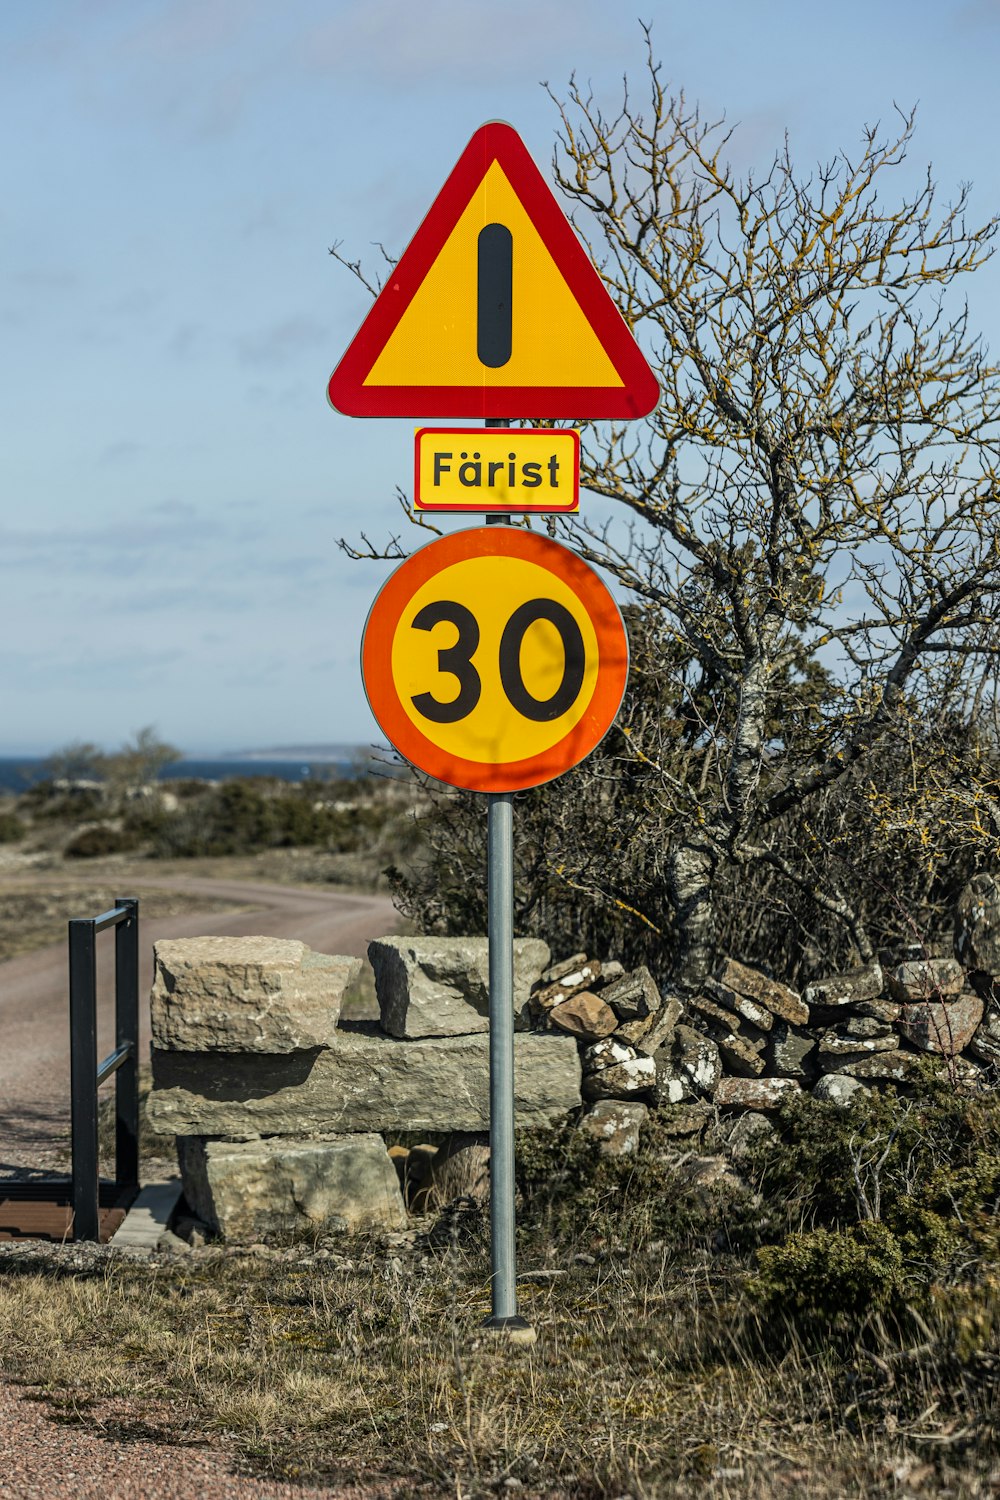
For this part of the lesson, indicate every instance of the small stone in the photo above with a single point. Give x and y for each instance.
(615, 1124)
(945, 1026)
(832, 1044)
(611, 1071)
(740, 1056)
(849, 988)
(838, 1088)
(977, 925)
(550, 995)
(611, 970)
(697, 1059)
(584, 1015)
(634, 996)
(791, 1053)
(741, 1005)
(886, 1011)
(925, 979)
(564, 966)
(758, 1094)
(782, 1002)
(882, 1067)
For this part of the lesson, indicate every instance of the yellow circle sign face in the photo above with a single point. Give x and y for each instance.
(494, 659)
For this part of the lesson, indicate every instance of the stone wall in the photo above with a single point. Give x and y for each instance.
(281, 1107)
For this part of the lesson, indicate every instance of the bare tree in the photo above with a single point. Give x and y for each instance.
(809, 514)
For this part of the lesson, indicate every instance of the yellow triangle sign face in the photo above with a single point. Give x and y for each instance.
(552, 343)
(525, 329)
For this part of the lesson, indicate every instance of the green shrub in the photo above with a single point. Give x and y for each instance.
(832, 1275)
(11, 828)
(100, 839)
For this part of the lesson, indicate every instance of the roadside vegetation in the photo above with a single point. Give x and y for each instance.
(94, 807)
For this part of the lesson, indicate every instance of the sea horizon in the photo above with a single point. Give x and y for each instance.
(287, 763)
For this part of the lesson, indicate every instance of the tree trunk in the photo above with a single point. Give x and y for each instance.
(690, 876)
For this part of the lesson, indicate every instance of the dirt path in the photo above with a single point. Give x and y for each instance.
(34, 1028)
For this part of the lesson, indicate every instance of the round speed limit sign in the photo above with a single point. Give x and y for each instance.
(494, 659)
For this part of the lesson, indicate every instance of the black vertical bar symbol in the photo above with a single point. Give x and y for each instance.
(495, 291)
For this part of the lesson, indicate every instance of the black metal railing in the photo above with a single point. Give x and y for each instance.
(87, 1075)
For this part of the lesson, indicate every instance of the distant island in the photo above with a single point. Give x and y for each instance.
(300, 752)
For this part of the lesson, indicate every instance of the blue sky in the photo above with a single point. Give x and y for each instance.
(173, 482)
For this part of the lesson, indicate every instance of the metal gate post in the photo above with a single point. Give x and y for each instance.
(83, 1076)
(127, 1035)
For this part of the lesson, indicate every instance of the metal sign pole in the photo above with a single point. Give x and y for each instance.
(500, 927)
(500, 892)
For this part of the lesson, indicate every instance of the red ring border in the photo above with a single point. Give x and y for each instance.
(380, 630)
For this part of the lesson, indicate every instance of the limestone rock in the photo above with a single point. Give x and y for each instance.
(435, 986)
(564, 966)
(836, 1047)
(698, 1060)
(849, 988)
(362, 1083)
(249, 1190)
(977, 925)
(886, 1011)
(740, 1056)
(783, 1003)
(922, 979)
(759, 1094)
(731, 999)
(659, 1032)
(985, 1045)
(614, 1071)
(838, 1088)
(615, 1124)
(718, 1021)
(545, 997)
(246, 994)
(634, 996)
(882, 1067)
(584, 1015)
(945, 1026)
(791, 1052)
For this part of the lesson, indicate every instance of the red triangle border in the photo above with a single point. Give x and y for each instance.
(637, 396)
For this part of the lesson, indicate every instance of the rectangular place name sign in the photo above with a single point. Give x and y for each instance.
(497, 469)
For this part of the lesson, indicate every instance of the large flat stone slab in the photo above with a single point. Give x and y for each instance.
(248, 1190)
(440, 986)
(245, 994)
(364, 1082)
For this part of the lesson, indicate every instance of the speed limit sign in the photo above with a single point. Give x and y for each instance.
(494, 659)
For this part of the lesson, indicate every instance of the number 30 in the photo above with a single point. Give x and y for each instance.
(457, 660)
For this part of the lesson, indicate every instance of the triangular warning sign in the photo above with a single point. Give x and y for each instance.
(494, 309)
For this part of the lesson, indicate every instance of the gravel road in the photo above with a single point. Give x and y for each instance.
(34, 1024)
(40, 1460)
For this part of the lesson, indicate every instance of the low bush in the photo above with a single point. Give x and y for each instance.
(99, 840)
(11, 828)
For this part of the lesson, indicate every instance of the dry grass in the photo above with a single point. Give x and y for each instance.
(646, 1380)
(35, 915)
